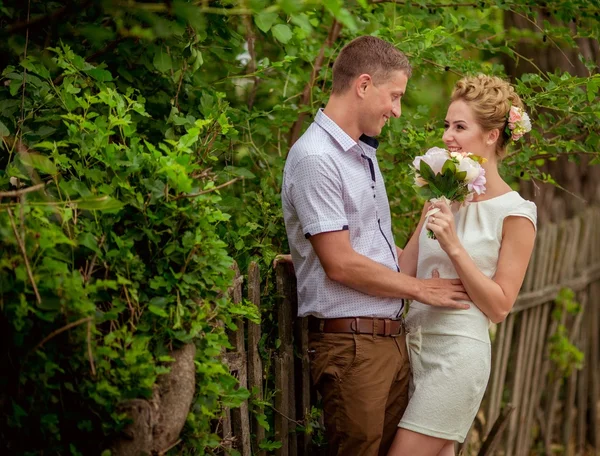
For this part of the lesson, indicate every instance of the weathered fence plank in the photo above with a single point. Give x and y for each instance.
(240, 420)
(284, 365)
(255, 367)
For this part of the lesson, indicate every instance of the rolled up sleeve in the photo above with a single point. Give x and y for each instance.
(316, 192)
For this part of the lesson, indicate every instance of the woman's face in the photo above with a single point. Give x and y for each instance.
(464, 134)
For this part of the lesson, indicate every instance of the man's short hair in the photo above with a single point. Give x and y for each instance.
(370, 55)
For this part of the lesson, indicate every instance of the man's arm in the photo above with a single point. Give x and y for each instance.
(346, 266)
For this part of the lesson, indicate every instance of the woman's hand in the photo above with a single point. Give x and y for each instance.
(442, 225)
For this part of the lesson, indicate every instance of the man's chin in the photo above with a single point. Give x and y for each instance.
(373, 133)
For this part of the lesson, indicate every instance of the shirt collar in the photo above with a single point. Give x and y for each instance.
(342, 138)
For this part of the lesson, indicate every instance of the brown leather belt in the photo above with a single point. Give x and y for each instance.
(357, 325)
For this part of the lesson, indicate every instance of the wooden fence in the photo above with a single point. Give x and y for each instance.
(527, 409)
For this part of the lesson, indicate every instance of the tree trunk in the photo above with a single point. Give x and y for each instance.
(157, 422)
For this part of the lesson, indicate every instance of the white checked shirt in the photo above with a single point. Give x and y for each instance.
(332, 183)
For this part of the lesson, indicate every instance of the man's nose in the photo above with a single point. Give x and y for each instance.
(396, 111)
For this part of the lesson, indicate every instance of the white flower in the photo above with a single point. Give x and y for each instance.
(471, 167)
(434, 157)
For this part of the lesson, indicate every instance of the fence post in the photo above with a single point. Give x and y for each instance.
(303, 382)
(284, 366)
(255, 368)
(236, 361)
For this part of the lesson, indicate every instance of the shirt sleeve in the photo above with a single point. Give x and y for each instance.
(526, 209)
(315, 189)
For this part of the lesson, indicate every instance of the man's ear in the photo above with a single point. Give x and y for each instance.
(493, 136)
(361, 84)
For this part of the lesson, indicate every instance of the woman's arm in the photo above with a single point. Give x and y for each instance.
(494, 297)
(410, 255)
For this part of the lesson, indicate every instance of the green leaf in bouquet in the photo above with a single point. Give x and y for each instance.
(426, 171)
(461, 175)
(435, 190)
(449, 167)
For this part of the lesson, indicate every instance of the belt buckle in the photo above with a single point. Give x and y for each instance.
(355, 323)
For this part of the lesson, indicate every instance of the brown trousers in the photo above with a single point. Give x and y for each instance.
(363, 380)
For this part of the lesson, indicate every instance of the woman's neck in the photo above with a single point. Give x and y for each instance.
(494, 185)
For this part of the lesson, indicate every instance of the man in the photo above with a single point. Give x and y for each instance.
(338, 224)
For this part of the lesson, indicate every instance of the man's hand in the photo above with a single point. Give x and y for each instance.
(444, 292)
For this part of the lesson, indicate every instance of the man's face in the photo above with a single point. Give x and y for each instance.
(381, 102)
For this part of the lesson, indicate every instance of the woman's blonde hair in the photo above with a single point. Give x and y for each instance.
(490, 98)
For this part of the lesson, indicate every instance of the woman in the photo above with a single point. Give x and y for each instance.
(487, 243)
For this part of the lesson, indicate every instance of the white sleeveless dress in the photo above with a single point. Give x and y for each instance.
(449, 350)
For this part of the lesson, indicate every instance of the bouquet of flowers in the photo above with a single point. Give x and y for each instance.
(441, 175)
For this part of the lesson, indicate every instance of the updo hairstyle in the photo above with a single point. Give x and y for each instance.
(490, 98)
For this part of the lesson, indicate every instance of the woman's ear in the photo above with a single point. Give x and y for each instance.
(492, 136)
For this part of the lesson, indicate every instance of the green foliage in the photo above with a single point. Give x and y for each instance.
(125, 110)
(563, 353)
(118, 239)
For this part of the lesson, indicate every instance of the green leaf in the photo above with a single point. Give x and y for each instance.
(39, 162)
(243, 172)
(426, 171)
(35, 67)
(270, 445)
(99, 75)
(197, 60)
(592, 89)
(162, 61)
(265, 20)
(341, 14)
(282, 33)
(88, 240)
(261, 419)
(302, 21)
(4, 130)
(49, 145)
(449, 166)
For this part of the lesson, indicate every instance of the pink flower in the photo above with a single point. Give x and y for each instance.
(517, 136)
(478, 184)
(515, 115)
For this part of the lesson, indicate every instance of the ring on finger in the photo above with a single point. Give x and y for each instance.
(432, 218)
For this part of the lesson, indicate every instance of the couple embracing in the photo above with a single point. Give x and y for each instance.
(393, 385)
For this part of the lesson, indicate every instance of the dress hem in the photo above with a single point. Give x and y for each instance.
(460, 438)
